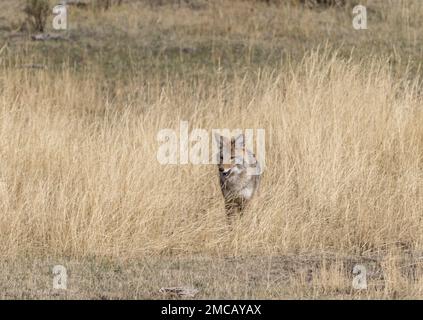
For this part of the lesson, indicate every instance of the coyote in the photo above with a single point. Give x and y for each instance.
(239, 173)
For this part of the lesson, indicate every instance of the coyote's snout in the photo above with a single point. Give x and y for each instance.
(239, 173)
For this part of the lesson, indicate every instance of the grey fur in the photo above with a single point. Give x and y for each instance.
(242, 180)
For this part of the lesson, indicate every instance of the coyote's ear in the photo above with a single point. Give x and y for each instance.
(239, 141)
(218, 137)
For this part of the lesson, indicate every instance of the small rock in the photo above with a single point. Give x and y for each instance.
(47, 36)
(179, 291)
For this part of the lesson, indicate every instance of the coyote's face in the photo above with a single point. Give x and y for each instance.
(231, 156)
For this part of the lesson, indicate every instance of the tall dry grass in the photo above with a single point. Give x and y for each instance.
(344, 162)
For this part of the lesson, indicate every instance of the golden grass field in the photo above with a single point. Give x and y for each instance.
(80, 184)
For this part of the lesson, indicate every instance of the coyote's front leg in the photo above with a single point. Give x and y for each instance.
(230, 208)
